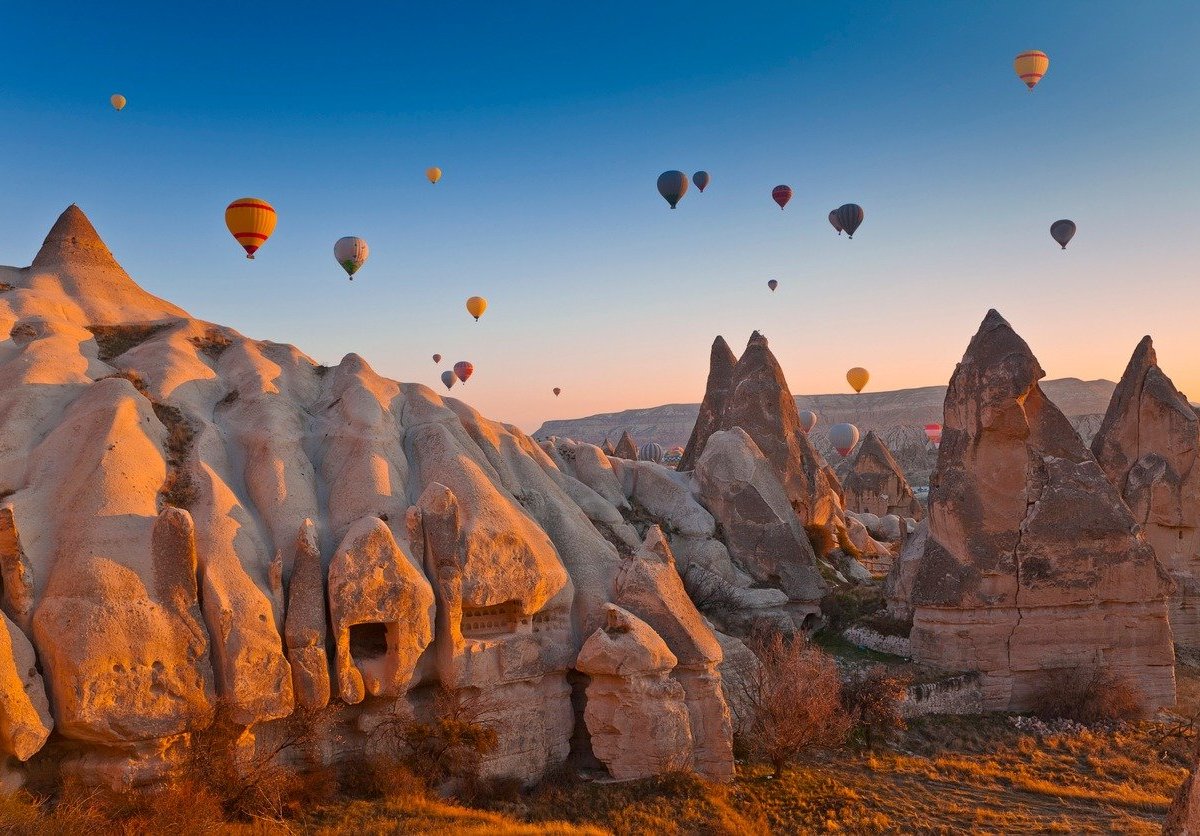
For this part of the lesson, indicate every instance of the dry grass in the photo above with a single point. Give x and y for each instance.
(212, 344)
(114, 340)
(179, 488)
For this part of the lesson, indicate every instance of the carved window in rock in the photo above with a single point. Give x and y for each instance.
(497, 620)
(368, 640)
(549, 620)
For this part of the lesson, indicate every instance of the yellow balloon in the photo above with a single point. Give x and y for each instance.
(476, 305)
(118, 101)
(251, 221)
(857, 377)
(434, 174)
(1031, 66)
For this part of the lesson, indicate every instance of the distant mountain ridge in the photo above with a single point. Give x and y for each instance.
(898, 416)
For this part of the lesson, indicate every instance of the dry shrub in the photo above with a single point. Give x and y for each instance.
(178, 489)
(279, 775)
(872, 698)
(449, 748)
(1088, 695)
(114, 340)
(793, 701)
(212, 344)
(844, 607)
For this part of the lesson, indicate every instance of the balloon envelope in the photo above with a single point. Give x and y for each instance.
(857, 377)
(434, 174)
(808, 420)
(773, 284)
(849, 217)
(118, 101)
(557, 391)
(1062, 232)
(651, 452)
(351, 253)
(437, 358)
(672, 185)
(701, 179)
(834, 222)
(781, 195)
(448, 378)
(844, 437)
(251, 221)
(1031, 66)
(463, 370)
(476, 305)
(933, 432)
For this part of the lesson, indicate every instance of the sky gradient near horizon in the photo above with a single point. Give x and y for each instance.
(552, 123)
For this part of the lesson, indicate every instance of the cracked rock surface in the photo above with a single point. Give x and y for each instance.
(1033, 561)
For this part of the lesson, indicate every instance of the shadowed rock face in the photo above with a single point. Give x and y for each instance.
(626, 448)
(191, 518)
(876, 485)
(754, 396)
(1033, 561)
(1147, 446)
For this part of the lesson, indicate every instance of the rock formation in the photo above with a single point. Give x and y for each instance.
(1183, 817)
(1147, 446)
(1033, 562)
(635, 711)
(626, 448)
(754, 395)
(194, 519)
(875, 483)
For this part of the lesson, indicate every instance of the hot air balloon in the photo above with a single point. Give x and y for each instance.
(844, 437)
(701, 178)
(437, 358)
(1031, 66)
(118, 101)
(808, 420)
(834, 222)
(476, 305)
(933, 432)
(781, 195)
(650, 452)
(557, 391)
(673, 456)
(1062, 232)
(463, 370)
(857, 377)
(849, 216)
(672, 185)
(448, 378)
(351, 253)
(434, 174)
(772, 284)
(251, 221)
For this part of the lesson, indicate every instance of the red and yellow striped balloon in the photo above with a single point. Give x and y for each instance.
(251, 221)
(1031, 66)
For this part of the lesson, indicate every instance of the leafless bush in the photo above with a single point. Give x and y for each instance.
(793, 701)
(178, 489)
(872, 699)
(278, 774)
(450, 746)
(212, 344)
(1088, 695)
(114, 340)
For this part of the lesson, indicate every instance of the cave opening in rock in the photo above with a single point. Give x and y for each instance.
(368, 641)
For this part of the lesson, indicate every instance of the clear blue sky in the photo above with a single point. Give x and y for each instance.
(552, 122)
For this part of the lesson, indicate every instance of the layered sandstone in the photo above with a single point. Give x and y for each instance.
(1033, 562)
(1147, 446)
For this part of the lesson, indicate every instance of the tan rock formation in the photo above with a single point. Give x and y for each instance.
(1147, 446)
(765, 538)
(171, 488)
(875, 483)
(381, 610)
(1033, 562)
(755, 397)
(635, 711)
(1183, 817)
(626, 448)
(721, 362)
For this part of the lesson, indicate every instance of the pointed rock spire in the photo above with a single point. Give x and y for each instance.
(73, 241)
(626, 448)
(716, 391)
(876, 484)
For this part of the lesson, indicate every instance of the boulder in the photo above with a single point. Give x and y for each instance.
(1147, 446)
(304, 630)
(1033, 562)
(25, 720)
(635, 714)
(764, 536)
